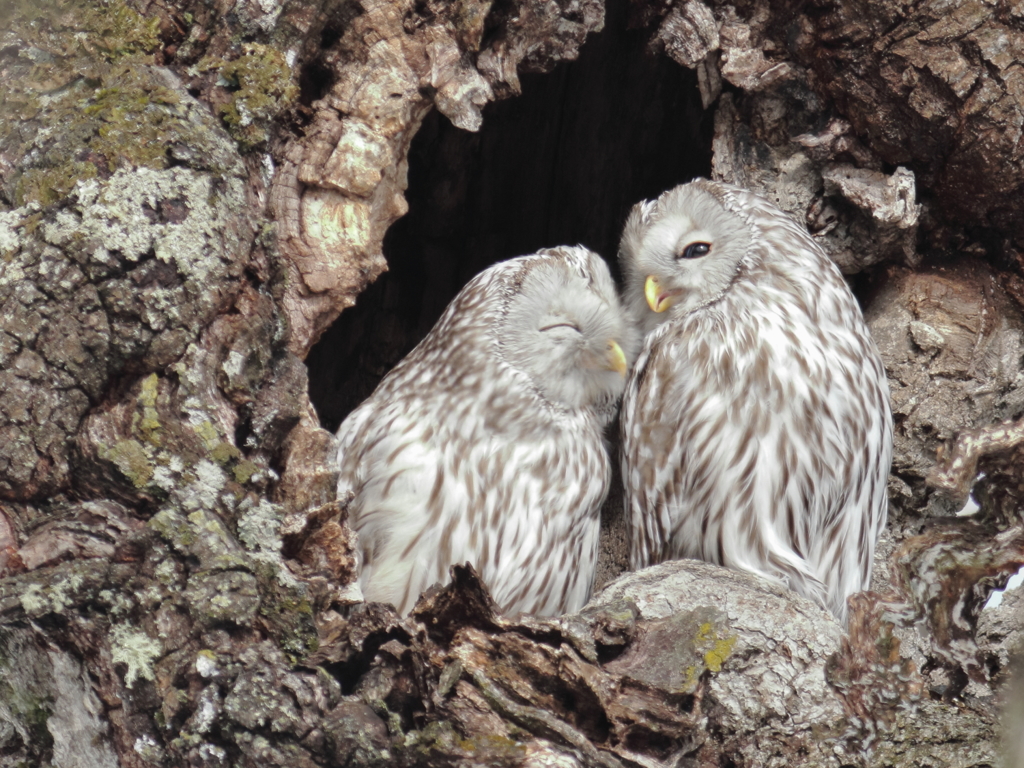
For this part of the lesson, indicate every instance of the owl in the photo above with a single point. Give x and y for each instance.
(486, 443)
(756, 430)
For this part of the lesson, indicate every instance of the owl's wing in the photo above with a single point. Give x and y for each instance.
(543, 512)
(648, 452)
(393, 460)
(353, 430)
(701, 451)
(846, 426)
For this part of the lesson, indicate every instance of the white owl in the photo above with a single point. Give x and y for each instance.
(756, 430)
(485, 444)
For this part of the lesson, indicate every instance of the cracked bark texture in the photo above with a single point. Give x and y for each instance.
(190, 195)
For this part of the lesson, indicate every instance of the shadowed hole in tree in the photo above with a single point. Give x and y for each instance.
(643, 741)
(587, 714)
(350, 672)
(560, 165)
(315, 80)
(317, 76)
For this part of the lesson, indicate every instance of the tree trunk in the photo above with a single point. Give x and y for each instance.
(192, 193)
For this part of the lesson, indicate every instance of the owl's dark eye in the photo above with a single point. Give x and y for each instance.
(695, 251)
(561, 325)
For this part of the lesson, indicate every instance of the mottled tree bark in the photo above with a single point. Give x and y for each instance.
(192, 193)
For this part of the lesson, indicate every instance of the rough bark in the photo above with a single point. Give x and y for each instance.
(191, 193)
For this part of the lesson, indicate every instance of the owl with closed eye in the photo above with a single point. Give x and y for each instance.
(486, 443)
(756, 428)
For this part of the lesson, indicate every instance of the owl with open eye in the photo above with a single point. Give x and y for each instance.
(756, 429)
(486, 443)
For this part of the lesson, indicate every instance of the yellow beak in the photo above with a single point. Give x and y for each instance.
(656, 300)
(616, 357)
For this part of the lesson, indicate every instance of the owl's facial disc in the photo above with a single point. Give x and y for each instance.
(569, 335)
(680, 253)
(565, 328)
(694, 245)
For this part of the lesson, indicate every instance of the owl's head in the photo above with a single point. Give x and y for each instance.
(565, 327)
(680, 252)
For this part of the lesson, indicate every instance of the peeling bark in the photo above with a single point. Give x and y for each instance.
(340, 186)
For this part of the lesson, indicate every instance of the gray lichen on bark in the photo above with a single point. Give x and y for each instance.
(117, 278)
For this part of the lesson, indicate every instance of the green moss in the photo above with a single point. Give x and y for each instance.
(83, 98)
(148, 391)
(244, 470)
(108, 28)
(261, 88)
(158, 459)
(148, 424)
(208, 434)
(120, 31)
(128, 120)
(224, 453)
(82, 69)
(132, 459)
(492, 742)
(441, 739)
(175, 529)
(48, 185)
(31, 223)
